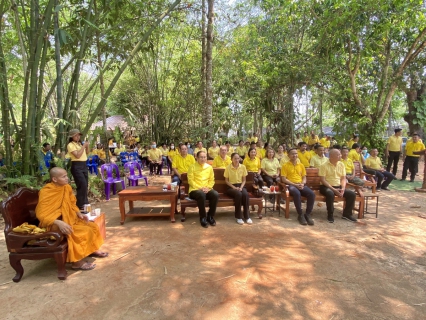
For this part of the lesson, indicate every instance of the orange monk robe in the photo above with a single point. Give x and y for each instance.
(56, 201)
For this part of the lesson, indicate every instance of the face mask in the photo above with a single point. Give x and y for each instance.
(364, 151)
(172, 147)
(154, 146)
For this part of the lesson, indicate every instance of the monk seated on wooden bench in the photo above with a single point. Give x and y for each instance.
(57, 210)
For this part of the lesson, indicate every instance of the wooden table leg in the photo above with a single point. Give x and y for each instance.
(122, 206)
(173, 201)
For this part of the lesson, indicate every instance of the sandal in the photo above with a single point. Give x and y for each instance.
(260, 216)
(100, 254)
(85, 266)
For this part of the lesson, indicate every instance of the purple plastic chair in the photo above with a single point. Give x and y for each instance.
(108, 169)
(133, 177)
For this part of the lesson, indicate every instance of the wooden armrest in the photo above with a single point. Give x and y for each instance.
(283, 186)
(358, 189)
(18, 240)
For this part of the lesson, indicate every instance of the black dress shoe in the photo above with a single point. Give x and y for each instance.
(204, 223)
(211, 221)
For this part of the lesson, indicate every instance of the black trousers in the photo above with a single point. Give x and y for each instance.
(411, 163)
(305, 192)
(212, 196)
(329, 200)
(269, 180)
(258, 180)
(393, 158)
(81, 179)
(380, 176)
(241, 198)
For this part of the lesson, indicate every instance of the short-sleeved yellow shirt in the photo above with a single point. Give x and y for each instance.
(349, 166)
(155, 154)
(317, 161)
(270, 166)
(74, 146)
(200, 176)
(213, 152)
(411, 146)
(395, 143)
(305, 139)
(235, 175)
(218, 162)
(354, 156)
(373, 162)
(165, 152)
(252, 165)
(313, 140)
(198, 149)
(294, 173)
(241, 151)
(230, 151)
(332, 173)
(172, 153)
(324, 142)
(182, 164)
(304, 158)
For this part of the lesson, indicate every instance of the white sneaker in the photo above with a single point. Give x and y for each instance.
(248, 221)
(240, 221)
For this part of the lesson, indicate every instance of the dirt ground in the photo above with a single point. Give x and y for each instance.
(273, 269)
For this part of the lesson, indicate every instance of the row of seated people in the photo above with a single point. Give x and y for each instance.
(269, 171)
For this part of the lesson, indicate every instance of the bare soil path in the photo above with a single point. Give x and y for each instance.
(275, 269)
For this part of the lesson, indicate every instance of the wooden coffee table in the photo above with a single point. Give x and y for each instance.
(147, 193)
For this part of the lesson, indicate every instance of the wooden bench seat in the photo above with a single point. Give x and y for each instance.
(369, 180)
(220, 186)
(313, 182)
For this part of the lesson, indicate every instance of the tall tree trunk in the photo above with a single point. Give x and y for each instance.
(203, 50)
(59, 87)
(208, 103)
(414, 94)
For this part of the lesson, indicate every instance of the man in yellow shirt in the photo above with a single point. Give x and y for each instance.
(213, 150)
(165, 153)
(393, 150)
(355, 153)
(293, 173)
(260, 150)
(181, 163)
(313, 139)
(411, 160)
(222, 160)
(199, 147)
(373, 165)
(318, 159)
(201, 182)
(119, 149)
(155, 159)
(305, 138)
(229, 148)
(333, 183)
(241, 149)
(304, 156)
(350, 168)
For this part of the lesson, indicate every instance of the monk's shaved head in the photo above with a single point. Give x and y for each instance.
(56, 172)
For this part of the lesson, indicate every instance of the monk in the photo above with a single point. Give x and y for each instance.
(57, 210)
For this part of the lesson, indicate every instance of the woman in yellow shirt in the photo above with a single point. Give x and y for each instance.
(270, 168)
(252, 164)
(241, 150)
(78, 154)
(172, 152)
(281, 153)
(235, 178)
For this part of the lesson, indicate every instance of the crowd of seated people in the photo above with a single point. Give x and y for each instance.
(335, 164)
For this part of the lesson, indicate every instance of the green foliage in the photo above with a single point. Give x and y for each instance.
(420, 113)
(96, 188)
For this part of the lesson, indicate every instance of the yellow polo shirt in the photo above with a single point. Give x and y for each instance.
(261, 152)
(313, 140)
(270, 166)
(165, 152)
(252, 165)
(317, 161)
(173, 153)
(394, 143)
(218, 162)
(324, 142)
(373, 162)
(155, 154)
(230, 151)
(349, 166)
(213, 152)
(200, 176)
(74, 146)
(182, 164)
(294, 173)
(313, 153)
(304, 158)
(332, 173)
(117, 151)
(411, 146)
(350, 143)
(198, 149)
(354, 156)
(305, 139)
(235, 175)
(241, 151)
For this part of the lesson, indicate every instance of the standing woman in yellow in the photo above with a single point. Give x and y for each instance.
(235, 177)
(78, 154)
